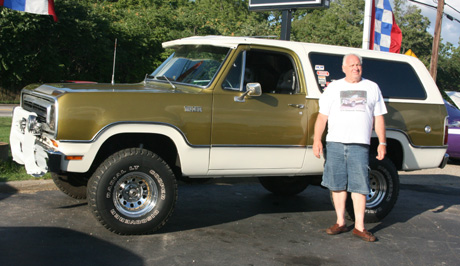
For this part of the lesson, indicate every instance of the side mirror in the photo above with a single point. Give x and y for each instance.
(252, 89)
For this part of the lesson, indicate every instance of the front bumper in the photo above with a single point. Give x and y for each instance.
(54, 161)
(27, 146)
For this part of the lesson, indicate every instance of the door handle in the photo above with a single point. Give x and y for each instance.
(301, 106)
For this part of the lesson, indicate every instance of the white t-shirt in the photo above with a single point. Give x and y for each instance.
(351, 108)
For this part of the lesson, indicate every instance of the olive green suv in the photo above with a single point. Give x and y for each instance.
(218, 107)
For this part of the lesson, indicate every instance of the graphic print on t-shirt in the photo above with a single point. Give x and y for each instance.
(353, 100)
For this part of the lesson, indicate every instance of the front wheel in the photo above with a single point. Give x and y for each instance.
(133, 192)
(384, 191)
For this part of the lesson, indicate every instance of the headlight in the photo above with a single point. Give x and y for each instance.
(51, 117)
(33, 126)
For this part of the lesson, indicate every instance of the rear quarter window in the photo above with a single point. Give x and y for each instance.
(395, 79)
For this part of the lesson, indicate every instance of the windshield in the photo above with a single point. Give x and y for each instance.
(191, 64)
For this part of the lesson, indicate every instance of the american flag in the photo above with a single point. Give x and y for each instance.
(385, 34)
(42, 7)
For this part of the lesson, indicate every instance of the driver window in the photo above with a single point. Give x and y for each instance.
(273, 70)
(233, 79)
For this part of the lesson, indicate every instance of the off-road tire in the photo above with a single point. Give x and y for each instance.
(284, 185)
(133, 192)
(72, 184)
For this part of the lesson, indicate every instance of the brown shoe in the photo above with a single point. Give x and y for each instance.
(336, 229)
(364, 235)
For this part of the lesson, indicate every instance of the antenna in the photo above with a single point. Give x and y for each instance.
(114, 56)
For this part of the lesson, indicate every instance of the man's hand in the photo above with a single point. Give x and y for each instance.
(318, 149)
(381, 152)
(320, 126)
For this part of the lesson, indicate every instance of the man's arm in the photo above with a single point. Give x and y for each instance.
(381, 134)
(320, 126)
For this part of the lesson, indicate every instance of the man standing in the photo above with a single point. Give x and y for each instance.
(350, 106)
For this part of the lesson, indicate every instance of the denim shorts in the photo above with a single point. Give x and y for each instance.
(346, 167)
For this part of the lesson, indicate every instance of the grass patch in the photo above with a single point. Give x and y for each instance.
(9, 170)
(5, 125)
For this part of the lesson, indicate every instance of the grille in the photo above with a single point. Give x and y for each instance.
(34, 107)
(36, 104)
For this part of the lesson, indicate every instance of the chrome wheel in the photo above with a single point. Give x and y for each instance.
(378, 189)
(135, 194)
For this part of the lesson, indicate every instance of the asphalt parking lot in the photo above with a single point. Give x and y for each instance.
(235, 223)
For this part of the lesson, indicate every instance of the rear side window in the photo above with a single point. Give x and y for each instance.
(395, 79)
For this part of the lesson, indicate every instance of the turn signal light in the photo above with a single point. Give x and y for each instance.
(74, 158)
(55, 144)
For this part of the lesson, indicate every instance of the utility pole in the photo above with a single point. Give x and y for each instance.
(286, 25)
(436, 39)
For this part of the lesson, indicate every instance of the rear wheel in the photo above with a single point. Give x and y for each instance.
(384, 191)
(133, 192)
(284, 185)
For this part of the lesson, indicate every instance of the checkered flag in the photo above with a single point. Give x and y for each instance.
(385, 34)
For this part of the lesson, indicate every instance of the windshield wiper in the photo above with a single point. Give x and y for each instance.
(166, 78)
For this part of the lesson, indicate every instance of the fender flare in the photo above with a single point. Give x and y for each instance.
(194, 158)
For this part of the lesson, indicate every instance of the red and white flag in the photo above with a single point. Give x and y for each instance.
(385, 35)
(42, 7)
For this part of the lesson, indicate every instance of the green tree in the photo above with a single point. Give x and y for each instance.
(36, 49)
(416, 37)
(80, 46)
(448, 75)
(139, 29)
(340, 24)
(414, 27)
(225, 17)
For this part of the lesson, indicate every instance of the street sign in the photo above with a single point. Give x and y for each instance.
(266, 5)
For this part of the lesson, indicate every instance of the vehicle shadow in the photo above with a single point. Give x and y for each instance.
(221, 202)
(212, 204)
(420, 194)
(59, 246)
(454, 161)
(207, 205)
(6, 190)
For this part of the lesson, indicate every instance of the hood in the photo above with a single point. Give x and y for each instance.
(56, 89)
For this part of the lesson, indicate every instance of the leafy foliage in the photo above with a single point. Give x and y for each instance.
(414, 28)
(341, 24)
(36, 49)
(80, 46)
(449, 69)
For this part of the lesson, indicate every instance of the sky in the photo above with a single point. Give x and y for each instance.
(450, 31)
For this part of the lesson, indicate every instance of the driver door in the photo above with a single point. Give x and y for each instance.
(261, 134)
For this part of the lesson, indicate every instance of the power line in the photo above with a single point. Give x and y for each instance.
(449, 17)
(452, 7)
